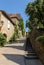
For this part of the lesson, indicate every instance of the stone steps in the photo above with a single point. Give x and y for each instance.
(30, 53)
(31, 57)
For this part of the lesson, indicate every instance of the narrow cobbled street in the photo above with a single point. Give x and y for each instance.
(14, 54)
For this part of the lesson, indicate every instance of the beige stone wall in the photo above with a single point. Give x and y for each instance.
(4, 28)
(38, 47)
(20, 34)
(16, 21)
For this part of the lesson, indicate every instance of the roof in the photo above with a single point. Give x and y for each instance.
(18, 16)
(5, 14)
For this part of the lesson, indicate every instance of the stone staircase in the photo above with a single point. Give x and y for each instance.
(30, 53)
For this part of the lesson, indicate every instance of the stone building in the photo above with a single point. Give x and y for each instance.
(16, 19)
(6, 25)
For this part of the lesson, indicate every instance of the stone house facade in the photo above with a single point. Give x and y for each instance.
(16, 19)
(6, 25)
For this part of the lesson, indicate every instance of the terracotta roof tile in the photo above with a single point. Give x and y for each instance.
(8, 17)
(15, 16)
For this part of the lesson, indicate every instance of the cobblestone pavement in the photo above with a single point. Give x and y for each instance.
(33, 62)
(13, 54)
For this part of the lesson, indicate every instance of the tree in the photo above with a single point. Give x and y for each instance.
(21, 26)
(29, 24)
(2, 39)
(35, 10)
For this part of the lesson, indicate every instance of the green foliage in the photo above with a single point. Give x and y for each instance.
(40, 25)
(2, 39)
(23, 32)
(29, 24)
(15, 34)
(21, 24)
(30, 31)
(14, 37)
(41, 39)
(35, 10)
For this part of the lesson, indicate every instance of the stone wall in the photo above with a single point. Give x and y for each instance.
(16, 21)
(9, 32)
(38, 47)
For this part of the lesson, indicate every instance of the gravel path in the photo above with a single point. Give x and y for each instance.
(13, 54)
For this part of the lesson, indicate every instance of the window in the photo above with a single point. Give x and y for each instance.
(8, 25)
(2, 22)
(5, 35)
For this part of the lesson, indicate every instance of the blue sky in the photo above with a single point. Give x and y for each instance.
(15, 6)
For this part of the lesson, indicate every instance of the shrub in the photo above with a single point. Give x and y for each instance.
(2, 39)
(30, 31)
(40, 26)
(14, 37)
(23, 32)
(40, 39)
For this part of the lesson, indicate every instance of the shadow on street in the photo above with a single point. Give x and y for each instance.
(15, 58)
(20, 47)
